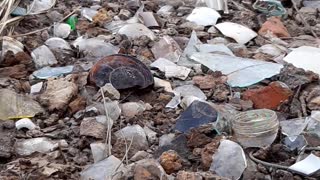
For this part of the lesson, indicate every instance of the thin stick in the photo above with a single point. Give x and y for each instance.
(108, 138)
(39, 30)
(303, 19)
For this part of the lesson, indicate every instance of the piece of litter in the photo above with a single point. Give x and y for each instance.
(308, 166)
(238, 32)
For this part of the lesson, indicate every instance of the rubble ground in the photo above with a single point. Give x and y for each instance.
(168, 89)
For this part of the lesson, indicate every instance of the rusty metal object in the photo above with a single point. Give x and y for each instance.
(122, 71)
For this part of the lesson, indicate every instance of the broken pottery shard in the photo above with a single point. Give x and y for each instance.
(58, 93)
(61, 30)
(25, 123)
(15, 105)
(204, 16)
(136, 30)
(104, 169)
(305, 57)
(190, 90)
(239, 33)
(43, 56)
(241, 72)
(197, 114)
(171, 69)
(229, 160)
(308, 166)
(95, 47)
(122, 72)
(29, 146)
(149, 19)
(162, 83)
(214, 48)
(97, 150)
(56, 43)
(88, 13)
(135, 133)
(294, 127)
(48, 72)
(40, 6)
(167, 48)
(269, 97)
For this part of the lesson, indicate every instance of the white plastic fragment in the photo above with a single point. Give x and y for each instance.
(238, 32)
(187, 101)
(272, 50)
(43, 56)
(305, 57)
(104, 169)
(204, 16)
(174, 102)
(42, 145)
(241, 72)
(171, 69)
(136, 30)
(36, 88)
(25, 123)
(97, 150)
(10, 44)
(95, 47)
(162, 83)
(48, 72)
(40, 6)
(56, 43)
(214, 48)
(229, 160)
(165, 10)
(190, 90)
(308, 166)
(88, 13)
(61, 30)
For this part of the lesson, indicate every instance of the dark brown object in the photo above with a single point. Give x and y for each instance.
(122, 71)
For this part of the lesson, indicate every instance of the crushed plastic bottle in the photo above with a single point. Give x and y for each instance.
(270, 7)
(48, 72)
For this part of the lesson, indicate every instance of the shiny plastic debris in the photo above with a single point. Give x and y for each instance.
(95, 47)
(48, 72)
(185, 60)
(294, 127)
(40, 6)
(136, 30)
(256, 128)
(238, 32)
(88, 13)
(25, 123)
(270, 7)
(214, 48)
(298, 144)
(308, 166)
(121, 71)
(204, 16)
(197, 114)
(43, 56)
(171, 69)
(104, 169)
(42, 145)
(56, 43)
(310, 56)
(167, 48)
(214, 4)
(190, 90)
(233, 154)
(149, 20)
(241, 72)
(72, 21)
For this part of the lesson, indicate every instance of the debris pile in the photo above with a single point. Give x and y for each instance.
(170, 89)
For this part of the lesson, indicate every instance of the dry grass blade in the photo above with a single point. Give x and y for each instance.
(109, 125)
(6, 9)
